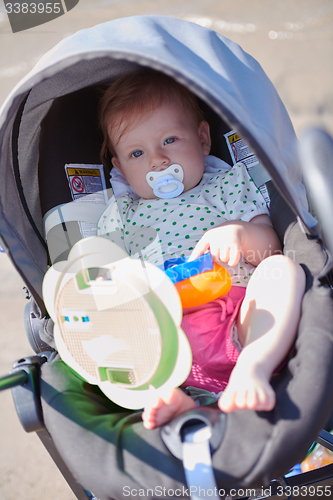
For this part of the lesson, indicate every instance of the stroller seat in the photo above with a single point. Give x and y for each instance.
(51, 121)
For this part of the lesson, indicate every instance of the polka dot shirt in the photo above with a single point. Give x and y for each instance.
(158, 229)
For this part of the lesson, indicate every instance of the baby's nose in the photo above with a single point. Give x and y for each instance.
(159, 162)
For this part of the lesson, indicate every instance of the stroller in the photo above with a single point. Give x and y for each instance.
(49, 121)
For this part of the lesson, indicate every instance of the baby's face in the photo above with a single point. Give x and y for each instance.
(167, 135)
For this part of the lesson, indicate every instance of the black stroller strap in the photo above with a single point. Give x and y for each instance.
(16, 168)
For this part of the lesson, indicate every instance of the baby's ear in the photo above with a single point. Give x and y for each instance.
(204, 134)
(116, 164)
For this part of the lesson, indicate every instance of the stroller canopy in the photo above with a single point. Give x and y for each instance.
(217, 70)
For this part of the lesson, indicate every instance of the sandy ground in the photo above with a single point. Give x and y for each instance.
(293, 41)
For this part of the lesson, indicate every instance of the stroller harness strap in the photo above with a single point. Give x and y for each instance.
(87, 212)
(197, 462)
(259, 175)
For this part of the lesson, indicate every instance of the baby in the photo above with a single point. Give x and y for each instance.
(160, 142)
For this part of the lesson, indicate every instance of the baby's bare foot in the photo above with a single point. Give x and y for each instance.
(247, 389)
(166, 409)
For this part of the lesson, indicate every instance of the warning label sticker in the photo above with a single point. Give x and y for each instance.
(240, 152)
(86, 179)
(87, 185)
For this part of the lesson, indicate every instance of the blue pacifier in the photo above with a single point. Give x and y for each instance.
(167, 183)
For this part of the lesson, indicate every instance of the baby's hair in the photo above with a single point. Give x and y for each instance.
(136, 93)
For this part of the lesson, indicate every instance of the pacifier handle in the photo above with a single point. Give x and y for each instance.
(168, 187)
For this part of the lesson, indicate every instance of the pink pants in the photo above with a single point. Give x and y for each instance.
(208, 329)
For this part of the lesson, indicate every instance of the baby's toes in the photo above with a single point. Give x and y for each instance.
(226, 402)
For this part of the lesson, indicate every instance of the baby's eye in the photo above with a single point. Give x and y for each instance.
(136, 154)
(170, 140)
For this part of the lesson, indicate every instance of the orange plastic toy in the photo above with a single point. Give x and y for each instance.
(204, 287)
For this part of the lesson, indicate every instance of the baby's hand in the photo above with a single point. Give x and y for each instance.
(224, 243)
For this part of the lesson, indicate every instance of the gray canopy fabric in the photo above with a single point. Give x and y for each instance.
(217, 70)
